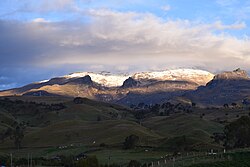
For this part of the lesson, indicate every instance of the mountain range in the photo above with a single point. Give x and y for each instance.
(189, 85)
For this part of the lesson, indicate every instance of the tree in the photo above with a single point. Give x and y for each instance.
(130, 142)
(134, 163)
(225, 105)
(234, 104)
(6, 134)
(218, 137)
(99, 118)
(141, 105)
(78, 100)
(88, 162)
(18, 136)
(67, 161)
(155, 108)
(139, 115)
(179, 144)
(237, 133)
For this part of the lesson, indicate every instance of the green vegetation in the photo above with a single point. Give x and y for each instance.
(130, 142)
(237, 133)
(56, 131)
(233, 160)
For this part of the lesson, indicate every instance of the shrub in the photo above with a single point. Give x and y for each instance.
(130, 142)
(238, 133)
(134, 163)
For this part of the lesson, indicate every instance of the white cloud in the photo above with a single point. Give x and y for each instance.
(236, 26)
(166, 8)
(40, 20)
(236, 9)
(122, 40)
(50, 5)
(226, 2)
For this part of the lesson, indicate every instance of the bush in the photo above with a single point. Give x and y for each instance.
(130, 142)
(238, 133)
(134, 163)
(78, 100)
(179, 144)
(103, 145)
(88, 162)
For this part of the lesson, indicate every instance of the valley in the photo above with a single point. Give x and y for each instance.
(60, 126)
(147, 118)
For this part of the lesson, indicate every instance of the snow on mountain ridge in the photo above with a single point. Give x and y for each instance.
(110, 80)
(115, 80)
(43, 81)
(105, 79)
(198, 76)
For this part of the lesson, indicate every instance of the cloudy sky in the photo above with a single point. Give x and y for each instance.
(40, 39)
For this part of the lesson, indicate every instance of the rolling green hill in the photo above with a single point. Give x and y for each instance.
(61, 126)
(183, 124)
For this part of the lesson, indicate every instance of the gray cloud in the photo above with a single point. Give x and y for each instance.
(115, 41)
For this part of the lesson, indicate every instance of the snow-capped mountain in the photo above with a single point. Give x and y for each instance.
(187, 85)
(148, 87)
(104, 79)
(198, 76)
(116, 80)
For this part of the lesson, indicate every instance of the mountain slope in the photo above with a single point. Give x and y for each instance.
(227, 87)
(125, 89)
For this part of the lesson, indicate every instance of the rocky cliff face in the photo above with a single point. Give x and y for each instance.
(82, 80)
(130, 82)
(230, 75)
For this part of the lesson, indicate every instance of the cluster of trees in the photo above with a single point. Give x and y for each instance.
(226, 105)
(78, 100)
(164, 109)
(15, 130)
(16, 134)
(131, 142)
(236, 134)
(179, 144)
(19, 106)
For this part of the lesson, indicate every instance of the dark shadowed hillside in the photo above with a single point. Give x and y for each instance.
(225, 88)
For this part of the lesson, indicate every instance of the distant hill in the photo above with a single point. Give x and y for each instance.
(54, 121)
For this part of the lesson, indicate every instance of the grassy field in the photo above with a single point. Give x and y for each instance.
(183, 124)
(232, 160)
(81, 128)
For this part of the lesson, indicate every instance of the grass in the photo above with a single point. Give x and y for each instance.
(6, 120)
(70, 132)
(183, 124)
(233, 160)
(124, 156)
(76, 127)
